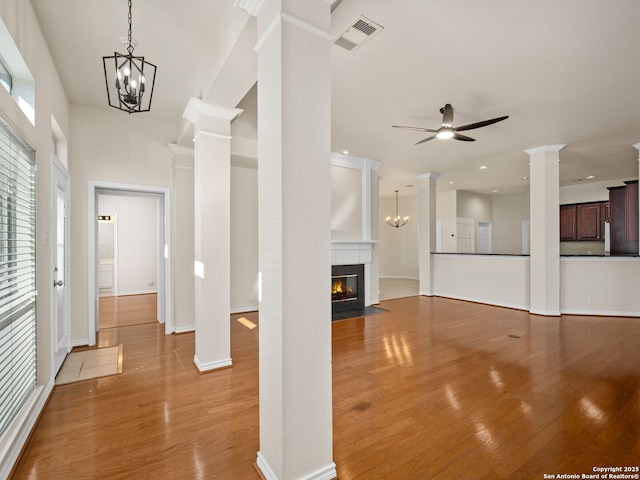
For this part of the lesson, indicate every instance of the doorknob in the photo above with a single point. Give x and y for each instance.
(59, 283)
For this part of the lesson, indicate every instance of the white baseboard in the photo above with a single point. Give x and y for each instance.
(137, 292)
(265, 468)
(545, 313)
(600, 313)
(253, 308)
(187, 329)
(210, 366)
(325, 473)
(15, 438)
(484, 301)
(80, 343)
(399, 278)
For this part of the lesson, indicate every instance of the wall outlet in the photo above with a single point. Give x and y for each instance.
(245, 298)
(590, 300)
(492, 292)
(150, 283)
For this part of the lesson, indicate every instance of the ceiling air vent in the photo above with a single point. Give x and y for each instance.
(361, 30)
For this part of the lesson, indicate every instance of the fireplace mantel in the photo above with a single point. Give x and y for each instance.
(351, 252)
(355, 252)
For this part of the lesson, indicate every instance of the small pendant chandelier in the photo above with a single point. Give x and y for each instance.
(397, 221)
(126, 77)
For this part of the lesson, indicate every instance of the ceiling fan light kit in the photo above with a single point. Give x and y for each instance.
(128, 77)
(447, 130)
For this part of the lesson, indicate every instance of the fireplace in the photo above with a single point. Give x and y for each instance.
(347, 287)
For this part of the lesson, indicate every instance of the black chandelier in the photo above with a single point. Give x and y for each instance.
(397, 221)
(126, 77)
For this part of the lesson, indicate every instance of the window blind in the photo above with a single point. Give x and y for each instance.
(17, 275)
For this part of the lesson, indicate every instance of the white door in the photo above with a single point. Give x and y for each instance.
(59, 239)
(484, 237)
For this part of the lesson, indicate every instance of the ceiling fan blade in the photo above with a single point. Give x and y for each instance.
(484, 123)
(447, 115)
(464, 138)
(417, 129)
(426, 139)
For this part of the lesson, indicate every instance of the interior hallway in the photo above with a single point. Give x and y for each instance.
(434, 388)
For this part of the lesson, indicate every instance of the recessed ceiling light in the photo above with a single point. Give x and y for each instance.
(345, 151)
(525, 178)
(494, 191)
(409, 186)
(483, 167)
(450, 183)
(589, 177)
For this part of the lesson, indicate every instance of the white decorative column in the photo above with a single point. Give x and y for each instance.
(374, 184)
(183, 240)
(427, 231)
(294, 192)
(637, 147)
(544, 185)
(212, 218)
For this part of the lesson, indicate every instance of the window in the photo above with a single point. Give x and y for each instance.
(17, 276)
(5, 77)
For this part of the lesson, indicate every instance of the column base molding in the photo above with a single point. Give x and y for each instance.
(210, 366)
(266, 473)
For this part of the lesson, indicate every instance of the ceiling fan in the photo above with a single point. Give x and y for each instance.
(448, 131)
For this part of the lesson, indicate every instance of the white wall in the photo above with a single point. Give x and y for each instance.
(600, 286)
(51, 101)
(398, 247)
(508, 213)
(137, 241)
(109, 147)
(474, 205)
(244, 239)
(491, 279)
(447, 213)
(183, 221)
(588, 192)
(346, 203)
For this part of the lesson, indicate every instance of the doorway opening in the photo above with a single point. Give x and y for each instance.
(151, 280)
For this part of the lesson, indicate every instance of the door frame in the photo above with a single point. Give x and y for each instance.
(59, 171)
(165, 304)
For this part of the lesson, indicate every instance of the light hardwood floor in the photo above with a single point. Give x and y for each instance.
(432, 389)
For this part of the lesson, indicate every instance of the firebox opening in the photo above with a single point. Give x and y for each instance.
(347, 287)
(344, 288)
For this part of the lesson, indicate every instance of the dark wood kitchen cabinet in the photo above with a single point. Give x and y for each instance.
(583, 221)
(590, 221)
(631, 194)
(623, 213)
(568, 231)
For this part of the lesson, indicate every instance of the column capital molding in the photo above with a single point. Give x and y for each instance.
(176, 149)
(198, 109)
(250, 6)
(357, 163)
(428, 176)
(637, 147)
(545, 148)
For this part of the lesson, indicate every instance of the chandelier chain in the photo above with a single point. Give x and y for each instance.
(130, 46)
